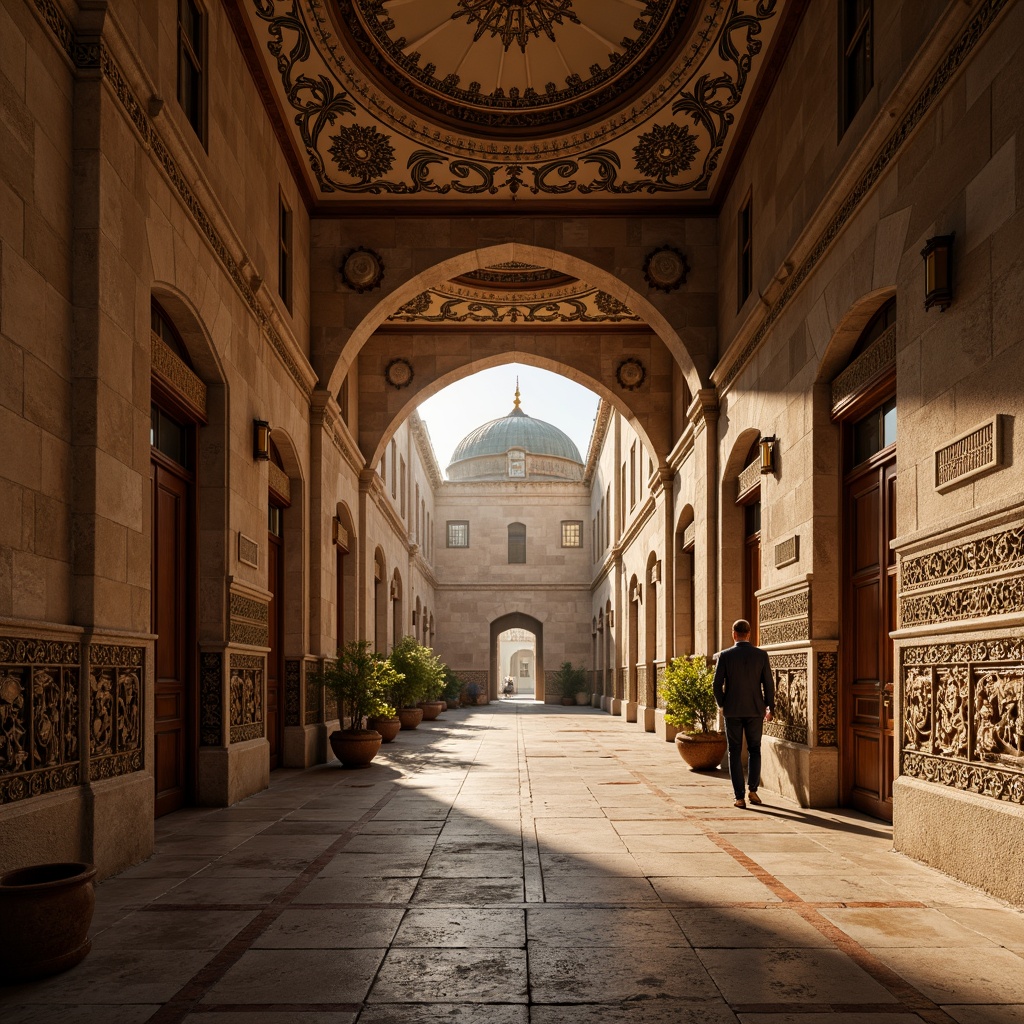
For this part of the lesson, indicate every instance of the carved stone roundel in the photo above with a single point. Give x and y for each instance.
(362, 269)
(666, 268)
(630, 374)
(398, 373)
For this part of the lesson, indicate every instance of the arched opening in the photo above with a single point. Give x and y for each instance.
(684, 581)
(612, 683)
(398, 629)
(278, 503)
(523, 646)
(741, 536)
(380, 603)
(345, 578)
(633, 640)
(652, 577)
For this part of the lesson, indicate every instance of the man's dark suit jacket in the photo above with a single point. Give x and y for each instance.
(744, 685)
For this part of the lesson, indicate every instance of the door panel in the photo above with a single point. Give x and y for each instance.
(275, 560)
(171, 517)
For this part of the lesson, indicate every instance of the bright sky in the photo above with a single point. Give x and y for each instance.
(469, 403)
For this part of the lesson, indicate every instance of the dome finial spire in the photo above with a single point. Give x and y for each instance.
(516, 403)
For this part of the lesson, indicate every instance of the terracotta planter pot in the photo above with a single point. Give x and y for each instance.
(355, 748)
(701, 750)
(387, 727)
(452, 705)
(568, 702)
(582, 699)
(410, 717)
(431, 709)
(46, 911)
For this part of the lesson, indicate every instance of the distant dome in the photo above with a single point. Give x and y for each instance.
(550, 452)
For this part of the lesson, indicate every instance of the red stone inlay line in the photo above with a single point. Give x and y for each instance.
(908, 996)
(186, 999)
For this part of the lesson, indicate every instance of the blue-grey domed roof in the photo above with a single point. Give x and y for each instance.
(516, 430)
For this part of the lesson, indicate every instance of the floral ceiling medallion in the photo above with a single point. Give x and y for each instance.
(362, 269)
(514, 20)
(630, 374)
(398, 373)
(665, 268)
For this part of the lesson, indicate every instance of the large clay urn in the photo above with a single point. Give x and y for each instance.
(45, 913)
(432, 708)
(387, 727)
(701, 750)
(410, 717)
(355, 748)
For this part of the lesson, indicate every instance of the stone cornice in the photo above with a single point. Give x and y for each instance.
(425, 449)
(682, 448)
(105, 50)
(597, 439)
(703, 409)
(959, 30)
(324, 410)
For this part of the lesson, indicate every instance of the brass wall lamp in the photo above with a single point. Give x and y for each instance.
(938, 271)
(261, 440)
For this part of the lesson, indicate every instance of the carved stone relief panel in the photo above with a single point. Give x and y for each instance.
(789, 721)
(211, 700)
(246, 687)
(962, 724)
(249, 621)
(827, 691)
(116, 673)
(784, 619)
(292, 691)
(39, 682)
(314, 695)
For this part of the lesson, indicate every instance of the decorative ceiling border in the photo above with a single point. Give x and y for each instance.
(590, 307)
(95, 55)
(955, 57)
(363, 157)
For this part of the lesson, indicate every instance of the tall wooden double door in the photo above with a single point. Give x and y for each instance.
(869, 602)
(275, 621)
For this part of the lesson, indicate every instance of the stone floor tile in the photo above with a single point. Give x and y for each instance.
(966, 975)
(303, 976)
(378, 827)
(819, 863)
(113, 976)
(357, 889)
(747, 928)
(163, 865)
(587, 975)
(612, 865)
(578, 887)
(829, 1018)
(1002, 926)
(722, 891)
(271, 1017)
(447, 975)
(776, 842)
(898, 926)
(646, 1011)
(469, 891)
(399, 845)
(349, 928)
(462, 928)
(444, 1013)
(664, 827)
(676, 843)
(174, 929)
(209, 890)
(689, 865)
(475, 864)
(100, 1013)
(987, 1014)
(375, 865)
(844, 888)
(460, 842)
(582, 843)
(798, 976)
(596, 926)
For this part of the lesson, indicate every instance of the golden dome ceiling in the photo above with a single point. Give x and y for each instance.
(537, 101)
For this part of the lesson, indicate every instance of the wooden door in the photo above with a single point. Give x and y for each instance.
(275, 614)
(752, 565)
(169, 609)
(869, 616)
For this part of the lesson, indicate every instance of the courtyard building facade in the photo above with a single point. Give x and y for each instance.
(241, 242)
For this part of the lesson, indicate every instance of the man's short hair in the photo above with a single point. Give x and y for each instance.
(741, 627)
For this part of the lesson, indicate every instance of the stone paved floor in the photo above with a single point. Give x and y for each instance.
(520, 863)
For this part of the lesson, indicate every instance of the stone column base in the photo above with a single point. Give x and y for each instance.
(808, 775)
(662, 729)
(614, 706)
(629, 710)
(645, 718)
(304, 745)
(227, 775)
(595, 700)
(971, 837)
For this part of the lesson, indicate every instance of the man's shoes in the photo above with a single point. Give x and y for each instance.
(741, 802)
(754, 798)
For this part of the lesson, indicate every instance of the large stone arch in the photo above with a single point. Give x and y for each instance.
(516, 620)
(687, 347)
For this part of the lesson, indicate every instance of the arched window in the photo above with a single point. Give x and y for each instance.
(516, 543)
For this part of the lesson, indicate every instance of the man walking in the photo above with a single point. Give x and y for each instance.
(745, 691)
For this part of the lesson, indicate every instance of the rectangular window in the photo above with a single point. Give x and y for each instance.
(284, 253)
(419, 539)
(394, 470)
(430, 539)
(608, 516)
(745, 252)
(458, 533)
(857, 59)
(401, 484)
(516, 544)
(343, 400)
(622, 498)
(572, 533)
(632, 476)
(190, 64)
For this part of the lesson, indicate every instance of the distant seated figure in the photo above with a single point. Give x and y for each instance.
(509, 688)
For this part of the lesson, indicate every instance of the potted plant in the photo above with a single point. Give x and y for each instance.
(452, 688)
(571, 683)
(384, 717)
(421, 680)
(351, 680)
(689, 700)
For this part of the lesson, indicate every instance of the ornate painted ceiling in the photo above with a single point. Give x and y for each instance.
(496, 100)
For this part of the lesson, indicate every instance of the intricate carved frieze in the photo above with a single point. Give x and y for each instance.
(789, 720)
(246, 691)
(249, 622)
(278, 480)
(115, 709)
(968, 456)
(999, 597)
(314, 696)
(996, 552)
(173, 371)
(38, 720)
(292, 691)
(878, 358)
(248, 551)
(590, 306)
(784, 619)
(211, 698)
(748, 480)
(963, 716)
(828, 695)
(787, 551)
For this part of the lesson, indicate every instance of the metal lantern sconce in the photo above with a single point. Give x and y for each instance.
(938, 271)
(261, 440)
(767, 445)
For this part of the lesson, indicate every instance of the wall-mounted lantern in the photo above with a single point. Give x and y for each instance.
(938, 271)
(767, 445)
(261, 440)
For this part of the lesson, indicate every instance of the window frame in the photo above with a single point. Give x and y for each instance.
(850, 42)
(578, 524)
(450, 532)
(516, 538)
(745, 250)
(187, 52)
(285, 223)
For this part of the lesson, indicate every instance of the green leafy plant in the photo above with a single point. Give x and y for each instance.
(385, 680)
(688, 695)
(421, 670)
(452, 686)
(470, 693)
(352, 680)
(569, 681)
